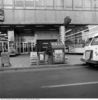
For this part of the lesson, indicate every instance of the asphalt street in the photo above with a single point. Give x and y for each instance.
(61, 82)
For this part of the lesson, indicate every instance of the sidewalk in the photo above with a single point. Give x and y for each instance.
(23, 61)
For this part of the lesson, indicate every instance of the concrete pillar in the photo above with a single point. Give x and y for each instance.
(62, 34)
(11, 37)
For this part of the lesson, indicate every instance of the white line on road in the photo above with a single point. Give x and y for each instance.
(73, 84)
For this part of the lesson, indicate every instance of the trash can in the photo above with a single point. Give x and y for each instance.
(58, 53)
(41, 56)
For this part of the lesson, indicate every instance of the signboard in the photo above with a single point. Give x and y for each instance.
(62, 34)
(10, 35)
(5, 60)
(33, 58)
(1, 15)
(58, 56)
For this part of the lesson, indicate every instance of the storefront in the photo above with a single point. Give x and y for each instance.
(22, 39)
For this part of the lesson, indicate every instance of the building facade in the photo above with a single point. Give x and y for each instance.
(28, 21)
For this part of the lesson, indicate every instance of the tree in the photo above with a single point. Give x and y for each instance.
(67, 21)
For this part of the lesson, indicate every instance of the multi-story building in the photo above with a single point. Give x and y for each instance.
(28, 21)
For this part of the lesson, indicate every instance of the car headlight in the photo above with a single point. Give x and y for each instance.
(88, 54)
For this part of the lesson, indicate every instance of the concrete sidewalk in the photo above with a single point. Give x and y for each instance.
(23, 61)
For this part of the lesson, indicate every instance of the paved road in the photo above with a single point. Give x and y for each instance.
(64, 82)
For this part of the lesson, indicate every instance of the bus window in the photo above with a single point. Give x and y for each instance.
(88, 41)
(95, 41)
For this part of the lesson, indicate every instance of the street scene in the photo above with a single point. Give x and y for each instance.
(71, 80)
(48, 49)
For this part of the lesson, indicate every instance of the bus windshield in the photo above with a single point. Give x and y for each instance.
(88, 41)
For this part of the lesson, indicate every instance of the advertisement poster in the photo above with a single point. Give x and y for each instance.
(58, 56)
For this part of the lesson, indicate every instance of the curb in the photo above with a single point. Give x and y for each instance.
(74, 53)
(38, 67)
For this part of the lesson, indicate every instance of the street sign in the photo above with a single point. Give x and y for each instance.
(1, 15)
(33, 58)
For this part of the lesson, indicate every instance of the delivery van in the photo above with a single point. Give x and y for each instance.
(90, 55)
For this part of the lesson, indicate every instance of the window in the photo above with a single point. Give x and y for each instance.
(68, 4)
(59, 3)
(78, 4)
(87, 4)
(19, 3)
(8, 3)
(49, 3)
(40, 3)
(88, 41)
(29, 3)
(95, 41)
(1, 3)
(96, 4)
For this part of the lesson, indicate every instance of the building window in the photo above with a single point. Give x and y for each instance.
(19, 3)
(50, 3)
(40, 3)
(59, 3)
(68, 4)
(78, 4)
(29, 3)
(8, 3)
(87, 4)
(96, 4)
(1, 3)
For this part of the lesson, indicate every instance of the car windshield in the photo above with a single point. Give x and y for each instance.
(95, 41)
(88, 41)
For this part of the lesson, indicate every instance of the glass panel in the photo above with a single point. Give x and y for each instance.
(78, 3)
(29, 3)
(49, 3)
(88, 41)
(59, 3)
(96, 2)
(8, 2)
(87, 4)
(68, 3)
(1, 3)
(95, 41)
(19, 3)
(39, 3)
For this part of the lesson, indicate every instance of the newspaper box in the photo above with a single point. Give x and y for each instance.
(5, 59)
(33, 58)
(58, 53)
(41, 56)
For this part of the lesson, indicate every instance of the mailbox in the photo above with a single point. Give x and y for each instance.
(58, 53)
